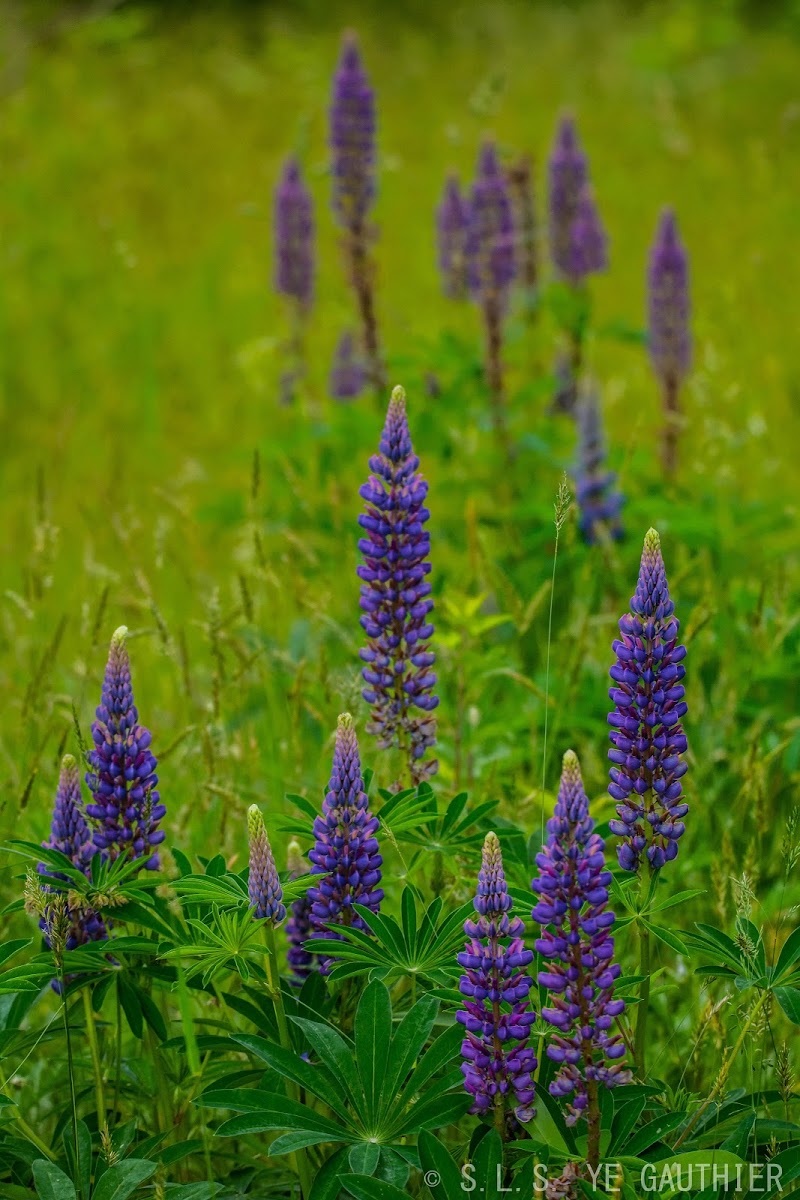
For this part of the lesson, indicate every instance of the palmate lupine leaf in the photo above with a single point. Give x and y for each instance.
(230, 891)
(223, 940)
(456, 829)
(375, 1083)
(424, 949)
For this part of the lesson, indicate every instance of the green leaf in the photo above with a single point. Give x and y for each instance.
(337, 1055)
(51, 1182)
(625, 1118)
(407, 1044)
(442, 1177)
(789, 955)
(121, 1180)
(363, 1158)
(667, 937)
(739, 1140)
(678, 898)
(130, 1005)
(316, 1080)
(326, 1185)
(279, 1113)
(372, 1034)
(443, 1051)
(653, 1132)
(80, 1163)
(789, 1000)
(487, 1161)
(363, 1187)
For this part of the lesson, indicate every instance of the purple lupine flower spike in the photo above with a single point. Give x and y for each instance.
(70, 834)
(263, 885)
(599, 504)
(452, 223)
(588, 244)
(668, 302)
(122, 780)
(568, 172)
(498, 1064)
(352, 132)
(490, 240)
(572, 887)
(521, 186)
(294, 236)
(345, 852)
(348, 376)
(298, 927)
(395, 597)
(668, 319)
(647, 738)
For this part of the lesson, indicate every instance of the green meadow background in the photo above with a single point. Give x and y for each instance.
(151, 475)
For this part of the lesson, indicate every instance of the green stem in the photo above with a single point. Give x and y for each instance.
(722, 1078)
(23, 1125)
(644, 1002)
(70, 1067)
(274, 984)
(118, 1059)
(91, 1033)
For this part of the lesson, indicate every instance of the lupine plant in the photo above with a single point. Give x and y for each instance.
(395, 598)
(523, 199)
(452, 225)
(599, 503)
(353, 168)
(491, 269)
(669, 336)
(294, 255)
(348, 375)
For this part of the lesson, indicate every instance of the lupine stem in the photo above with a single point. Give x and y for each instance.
(91, 1033)
(644, 1001)
(284, 1036)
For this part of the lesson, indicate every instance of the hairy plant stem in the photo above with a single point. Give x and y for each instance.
(669, 435)
(493, 322)
(91, 1033)
(361, 274)
(299, 1158)
(722, 1078)
(642, 1010)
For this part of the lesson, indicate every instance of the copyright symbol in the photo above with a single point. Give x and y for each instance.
(432, 1178)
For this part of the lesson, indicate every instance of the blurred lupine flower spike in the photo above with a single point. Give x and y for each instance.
(122, 780)
(588, 244)
(294, 236)
(345, 852)
(70, 835)
(568, 173)
(572, 886)
(263, 885)
(668, 320)
(298, 927)
(599, 503)
(395, 597)
(490, 238)
(452, 223)
(647, 738)
(521, 186)
(498, 1064)
(352, 133)
(348, 375)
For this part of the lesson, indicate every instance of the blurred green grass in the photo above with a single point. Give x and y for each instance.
(140, 353)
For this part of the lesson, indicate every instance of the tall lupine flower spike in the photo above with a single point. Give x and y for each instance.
(348, 375)
(490, 250)
(69, 834)
(294, 236)
(520, 182)
(298, 927)
(452, 223)
(352, 139)
(123, 780)
(263, 885)
(646, 735)
(498, 1064)
(588, 244)
(345, 852)
(572, 887)
(599, 504)
(668, 321)
(395, 597)
(568, 173)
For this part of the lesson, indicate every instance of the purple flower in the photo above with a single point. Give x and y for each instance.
(294, 236)
(572, 887)
(568, 172)
(498, 1063)
(345, 852)
(263, 885)
(352, 135)
(348, 375)
(490, 235)
(298, 927)
(588, 244)
(668, 303)
(70, 835)
(452, 223)
(122, 780)
(598, 502)
(646, 736)
(395, 597)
